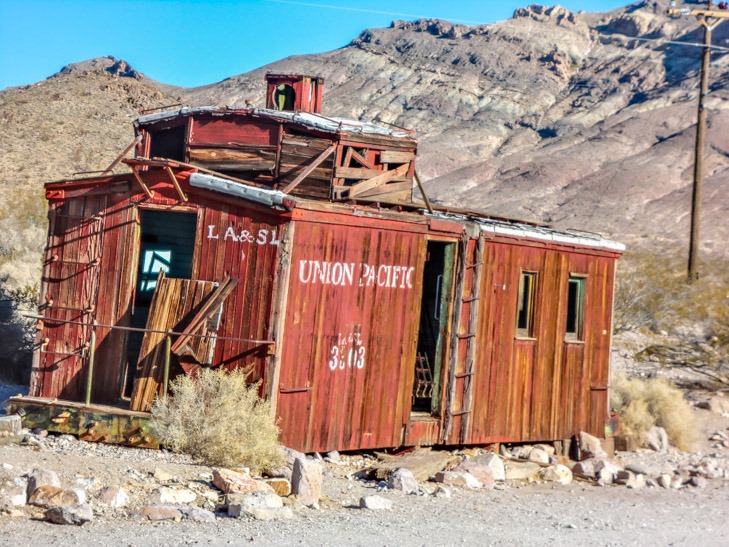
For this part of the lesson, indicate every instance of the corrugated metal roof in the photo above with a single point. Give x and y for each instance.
(275, 198)
(329, 124)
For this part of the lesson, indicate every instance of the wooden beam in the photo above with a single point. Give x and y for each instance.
(176, 184)
(357, 173)
(379, 180)
(113, 164)
(361, 159)
(422, 193)
(699, 13)
(313, 165)
(395, 156)
(388, 189)
(150, 193)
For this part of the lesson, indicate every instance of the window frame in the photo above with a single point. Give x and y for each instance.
(575, 313)
(525, 312)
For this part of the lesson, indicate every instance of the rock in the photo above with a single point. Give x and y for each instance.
(162, 476)
(481, 472)
(280, 485)
(375, 503)
(73, 514)
(172, 496)
(677, 482)
(635, 483)
(289, 457)
(41, 477)
(53, 496)
(240, 505)
(585, 468)
(6, 506)
(664, 480)
(16, 492)
(457, 478)
(195, 514)
(698, 482)
(538, 455)
(519, 471)
(114, 496)
(494, 462)
(442, 492)
(627, 443)
(605, 471)
(557, 473)
(280, 513)
(638, 468)
(306, 481)
(656, 439)
(160, 512)
(333, 457)
(10, 426)
(589, 446)
(548, 448)
(719, 404)
(404, 481)
(237, 482)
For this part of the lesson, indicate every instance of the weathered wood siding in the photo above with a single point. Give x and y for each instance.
(350, 338)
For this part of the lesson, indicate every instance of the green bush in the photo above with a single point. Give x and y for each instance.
(218, 419)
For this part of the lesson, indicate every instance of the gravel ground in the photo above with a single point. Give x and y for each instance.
(512, 514)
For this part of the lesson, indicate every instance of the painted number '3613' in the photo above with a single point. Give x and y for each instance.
(342, 357)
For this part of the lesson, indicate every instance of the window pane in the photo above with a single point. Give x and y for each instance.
(575, 308)
(525, 304)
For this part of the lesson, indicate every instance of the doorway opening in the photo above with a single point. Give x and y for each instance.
(432, 334)
(167, 243)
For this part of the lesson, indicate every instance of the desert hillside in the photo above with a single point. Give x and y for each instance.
(582, 120)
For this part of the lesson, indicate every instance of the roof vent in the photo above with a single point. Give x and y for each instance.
(294, 92)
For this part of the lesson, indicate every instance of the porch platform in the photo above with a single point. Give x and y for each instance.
(96, 423)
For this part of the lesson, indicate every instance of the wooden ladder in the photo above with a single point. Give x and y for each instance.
(469, 338)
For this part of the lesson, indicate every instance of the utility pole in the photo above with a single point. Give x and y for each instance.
(709, 19)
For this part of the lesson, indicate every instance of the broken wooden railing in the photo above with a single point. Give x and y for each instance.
(168, 346)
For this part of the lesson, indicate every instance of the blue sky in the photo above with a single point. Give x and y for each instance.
(191, 43)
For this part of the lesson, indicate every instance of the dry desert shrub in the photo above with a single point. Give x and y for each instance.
(218, 419)
(655, 402)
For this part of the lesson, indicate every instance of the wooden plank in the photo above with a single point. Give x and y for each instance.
(396, 156)
(319, 159)
(423, 463)
(391, 188)
(361, 159)
(379, 180)
(234, 160)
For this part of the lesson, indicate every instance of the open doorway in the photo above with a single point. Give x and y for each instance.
(432, 334)
(166, 243)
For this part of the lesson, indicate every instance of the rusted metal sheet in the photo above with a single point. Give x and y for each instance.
(93, 423)
(349, 349)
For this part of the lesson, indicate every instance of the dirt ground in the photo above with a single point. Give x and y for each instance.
(511, 514)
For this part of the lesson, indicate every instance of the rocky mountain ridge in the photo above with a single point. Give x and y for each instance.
(582, 120)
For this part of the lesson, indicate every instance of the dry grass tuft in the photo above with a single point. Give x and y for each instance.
(646, 403)
(219, 420)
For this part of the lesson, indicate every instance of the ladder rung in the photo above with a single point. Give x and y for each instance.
(464, 374)
(471, 299)
(469, 335)
(460, 412)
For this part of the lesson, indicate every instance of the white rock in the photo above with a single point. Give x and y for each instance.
(557, 473)
(404, 481)
(240, 504)
(375, 503)
(442, 492)
(589, 446)
(172, 496)
(458, 478)
(114, 496)
(42, 477)
(495, 463)
(538, 455)
(656, 439)
(306, 481)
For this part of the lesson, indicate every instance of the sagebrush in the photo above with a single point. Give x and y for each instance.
(654, 402)
(218, 419)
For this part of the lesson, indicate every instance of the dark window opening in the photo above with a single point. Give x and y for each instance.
(575, 308)
(525, 305)
(284, 97)
(434, 306)
(167, 242)
(168, 143)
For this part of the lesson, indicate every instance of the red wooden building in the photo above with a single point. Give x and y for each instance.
(290, 246)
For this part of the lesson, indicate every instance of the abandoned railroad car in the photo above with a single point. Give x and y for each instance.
(287, 243)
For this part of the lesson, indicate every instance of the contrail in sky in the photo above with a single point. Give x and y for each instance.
(344, 8)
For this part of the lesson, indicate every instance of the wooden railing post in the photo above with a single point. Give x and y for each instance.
(166, 374)
(92, 354)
